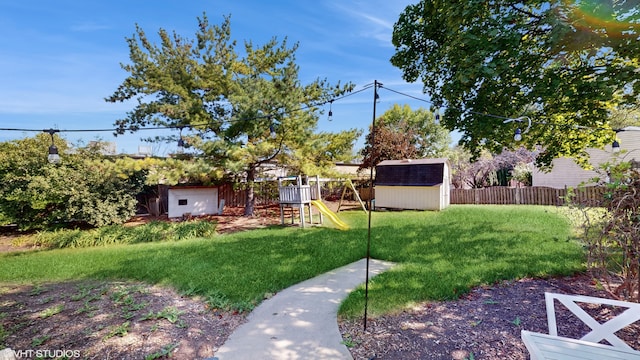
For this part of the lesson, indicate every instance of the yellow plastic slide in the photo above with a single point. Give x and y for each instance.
(330, 214)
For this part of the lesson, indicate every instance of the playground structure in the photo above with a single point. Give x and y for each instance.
(300, 193)
(348, 185)
(324, 210)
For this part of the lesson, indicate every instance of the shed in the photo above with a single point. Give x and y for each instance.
(192, 200)
(422, 184)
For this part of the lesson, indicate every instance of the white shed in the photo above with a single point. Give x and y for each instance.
(422, 184)
(192, 200)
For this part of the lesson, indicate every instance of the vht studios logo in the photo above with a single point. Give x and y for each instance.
(46, 354)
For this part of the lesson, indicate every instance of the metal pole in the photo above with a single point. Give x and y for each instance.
(373, 133)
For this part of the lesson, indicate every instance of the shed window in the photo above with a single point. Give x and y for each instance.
(182, 202)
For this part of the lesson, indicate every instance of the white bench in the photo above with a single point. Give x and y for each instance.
(544, 346)
(552, 346)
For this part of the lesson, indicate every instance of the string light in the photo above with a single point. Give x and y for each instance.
(168, 127)
(53, 157)
(272, 131)
(180, 142)
(517, 136)
(615, 147)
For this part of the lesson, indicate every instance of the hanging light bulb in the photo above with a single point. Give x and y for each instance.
(180, 143)
(518, 135)
(272, 130)
(615, 147)
(330, 117)
(437, 120)
(53, 156)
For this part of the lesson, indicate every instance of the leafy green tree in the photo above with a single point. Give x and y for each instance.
(489, 169)
(563, 64)
(244, 112)
(20, 162)
(479, 173)
(522, 173)
(460, 160)
(627, 116)
(169, 171)
(402, 133)
(81, 188)
(321, 151)
(387, 143)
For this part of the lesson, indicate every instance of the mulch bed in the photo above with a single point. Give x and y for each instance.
(484, 324)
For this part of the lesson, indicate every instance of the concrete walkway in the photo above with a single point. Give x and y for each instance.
(300, 322)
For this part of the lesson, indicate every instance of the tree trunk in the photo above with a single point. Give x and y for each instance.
(250, 199)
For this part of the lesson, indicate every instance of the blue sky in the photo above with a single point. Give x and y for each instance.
(60, 59)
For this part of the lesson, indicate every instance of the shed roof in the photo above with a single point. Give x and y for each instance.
(420, 172)
(413, 162)
(179, 187)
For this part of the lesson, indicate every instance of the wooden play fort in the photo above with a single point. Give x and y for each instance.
(299, 193)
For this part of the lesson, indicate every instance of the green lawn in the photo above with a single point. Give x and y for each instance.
(440, 255)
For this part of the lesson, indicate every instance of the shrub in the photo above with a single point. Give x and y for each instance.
(155, 231)
(622, 229)
(613, 236)
(83, 187)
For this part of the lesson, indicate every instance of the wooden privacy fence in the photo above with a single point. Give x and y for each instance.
(267, 194)
(525, 195)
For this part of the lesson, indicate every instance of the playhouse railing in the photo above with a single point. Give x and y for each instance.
(295, 194)
(315, 193)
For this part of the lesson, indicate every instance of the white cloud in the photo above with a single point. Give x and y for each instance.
(375, 18)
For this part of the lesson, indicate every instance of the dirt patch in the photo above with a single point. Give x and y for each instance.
(232, 219)
(8, 240)
(110, 320)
